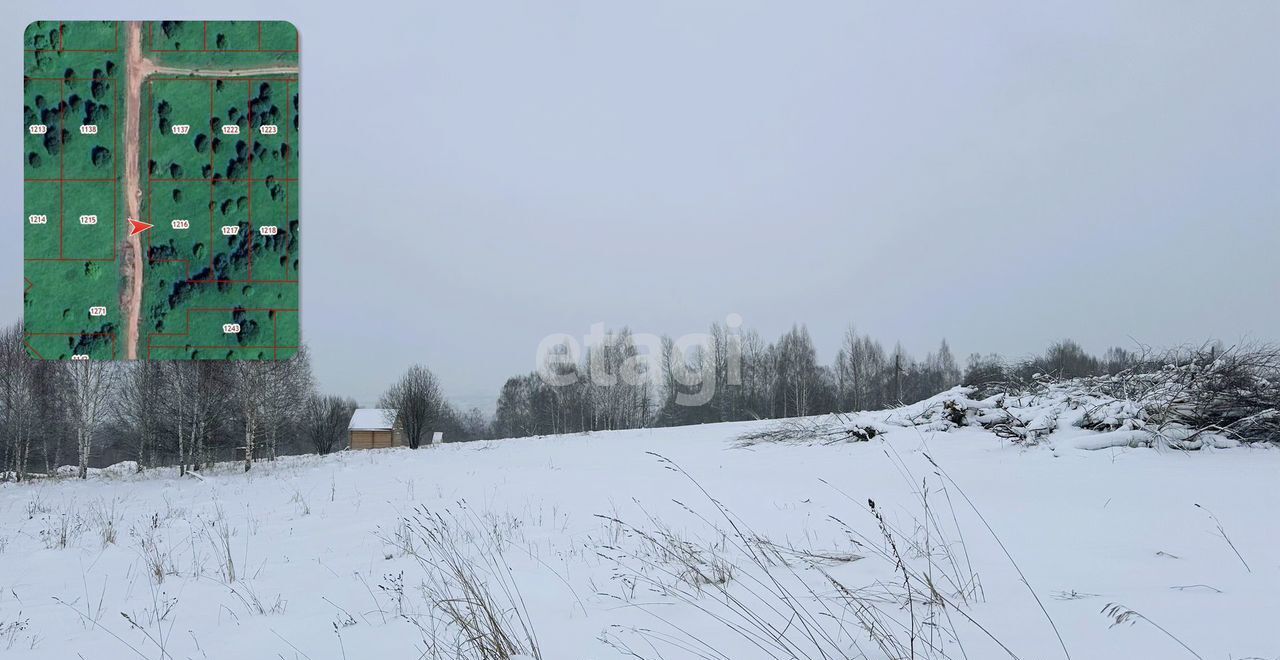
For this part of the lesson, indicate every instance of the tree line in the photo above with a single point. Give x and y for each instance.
(737, 375)
(191, 413)
(186, 414)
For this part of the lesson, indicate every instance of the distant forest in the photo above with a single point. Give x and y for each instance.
(773, 380)
(191, 413)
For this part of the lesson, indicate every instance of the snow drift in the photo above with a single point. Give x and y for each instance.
(1221, 402)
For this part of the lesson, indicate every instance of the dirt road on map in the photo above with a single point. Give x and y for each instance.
(137, 69)
(225, 73)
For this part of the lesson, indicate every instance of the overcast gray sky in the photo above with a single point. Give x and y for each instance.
(477, 175)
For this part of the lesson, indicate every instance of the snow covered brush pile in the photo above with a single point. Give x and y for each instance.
(1186, 400)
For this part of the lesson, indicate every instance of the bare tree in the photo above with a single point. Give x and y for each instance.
(324, 420)
(289, 385)
(141, 403)
(850, 371)
(755, 375)
(180, 404)
(17, 404)
(473, 425)
(417, 401)
(514, 416)
(88, 399)
(190, 392)
(48, 390)
(798, 373)
(249, 385)
(209, 396)
(948, 371)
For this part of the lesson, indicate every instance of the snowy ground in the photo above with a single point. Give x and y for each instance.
(322, 564)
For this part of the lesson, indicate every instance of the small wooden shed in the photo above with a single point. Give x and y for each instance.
(374, 428)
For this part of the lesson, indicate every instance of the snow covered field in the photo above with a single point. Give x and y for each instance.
(610, 548)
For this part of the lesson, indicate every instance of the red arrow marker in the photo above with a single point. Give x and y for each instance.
(137, 227)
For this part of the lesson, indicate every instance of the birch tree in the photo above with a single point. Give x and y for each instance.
(249, 383)
(17, 404)
(180, 404)
(142, 403)
(88, 398)
(48, 387)
(797, 367)
(187, 393)
(209, 398)
(289, 384)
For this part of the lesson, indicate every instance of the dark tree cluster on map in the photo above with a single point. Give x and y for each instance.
(249, 327)
(69, 112)
(175, 31)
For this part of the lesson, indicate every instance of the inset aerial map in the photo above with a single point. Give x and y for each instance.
(161, 190)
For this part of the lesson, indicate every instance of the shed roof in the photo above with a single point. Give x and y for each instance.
(372, 419)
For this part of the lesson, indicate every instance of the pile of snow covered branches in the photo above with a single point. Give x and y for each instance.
(1185, 399)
